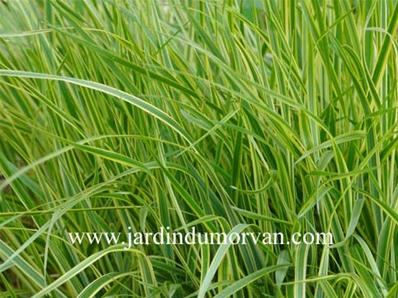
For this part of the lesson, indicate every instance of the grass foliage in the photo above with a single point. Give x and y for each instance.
(277, 116)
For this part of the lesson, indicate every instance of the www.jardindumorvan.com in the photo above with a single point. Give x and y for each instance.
(192, 237)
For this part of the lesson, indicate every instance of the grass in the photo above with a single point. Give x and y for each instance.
(277, 116)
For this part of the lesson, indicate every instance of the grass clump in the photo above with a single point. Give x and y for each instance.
(272, 116)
